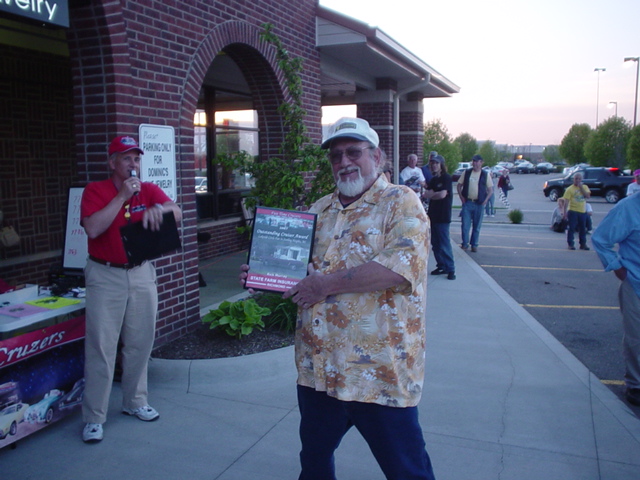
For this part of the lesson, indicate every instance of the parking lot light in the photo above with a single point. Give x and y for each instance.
(598, 70)
(635, 108)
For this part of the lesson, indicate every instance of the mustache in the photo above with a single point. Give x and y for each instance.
(347, 170)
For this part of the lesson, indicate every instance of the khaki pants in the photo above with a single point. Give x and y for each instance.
(119, 303)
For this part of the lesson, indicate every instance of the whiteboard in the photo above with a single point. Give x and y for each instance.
(75, 240)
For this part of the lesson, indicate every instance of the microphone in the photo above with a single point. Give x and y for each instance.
(134, 175)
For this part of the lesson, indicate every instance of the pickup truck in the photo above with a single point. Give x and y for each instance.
(610, 183)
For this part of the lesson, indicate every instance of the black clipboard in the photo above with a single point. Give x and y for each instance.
(141, 244)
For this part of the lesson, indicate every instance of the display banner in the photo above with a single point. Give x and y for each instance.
(41, 378)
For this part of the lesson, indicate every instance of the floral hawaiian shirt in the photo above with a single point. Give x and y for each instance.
(368, 347)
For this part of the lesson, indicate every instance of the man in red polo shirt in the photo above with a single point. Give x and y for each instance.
(122, 299)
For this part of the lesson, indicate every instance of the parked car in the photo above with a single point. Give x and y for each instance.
(525, 167)
(455, 176)
(201, 184)
(559, 166)
(610, 183)
(573, 168)
(496, 170)
(545, 167)
(10, 417)
(508, 165)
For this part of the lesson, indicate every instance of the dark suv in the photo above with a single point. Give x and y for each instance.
(610, 183)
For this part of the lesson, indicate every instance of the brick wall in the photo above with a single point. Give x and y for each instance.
(380, 117)
(36, 159)
(411, 136)
(144, 61)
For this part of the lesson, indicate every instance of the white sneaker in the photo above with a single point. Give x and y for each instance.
(92, 433)
(146, 413)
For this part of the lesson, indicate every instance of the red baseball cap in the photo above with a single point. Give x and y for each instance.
(123, 144)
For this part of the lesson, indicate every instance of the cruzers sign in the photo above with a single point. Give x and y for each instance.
(25, 346)
(55, 12)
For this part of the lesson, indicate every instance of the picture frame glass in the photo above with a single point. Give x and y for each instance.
(281, 248)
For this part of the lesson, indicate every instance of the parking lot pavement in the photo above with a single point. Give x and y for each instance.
(567, 292)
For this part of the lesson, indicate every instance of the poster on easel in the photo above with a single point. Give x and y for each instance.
(75, 240)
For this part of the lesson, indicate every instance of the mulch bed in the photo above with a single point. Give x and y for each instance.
(205, 343)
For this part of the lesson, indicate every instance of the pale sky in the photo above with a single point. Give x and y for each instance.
(525, 68)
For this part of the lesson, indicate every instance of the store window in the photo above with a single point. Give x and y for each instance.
(217, 134)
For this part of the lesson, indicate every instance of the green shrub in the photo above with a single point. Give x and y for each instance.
(284, 313)
(515, 215)
(237, 319)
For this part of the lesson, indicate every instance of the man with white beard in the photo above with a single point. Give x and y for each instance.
(360, 336)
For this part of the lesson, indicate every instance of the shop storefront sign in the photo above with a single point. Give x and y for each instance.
(54, 12)
(158, 163)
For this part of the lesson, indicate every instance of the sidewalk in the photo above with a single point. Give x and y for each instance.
(503, 400)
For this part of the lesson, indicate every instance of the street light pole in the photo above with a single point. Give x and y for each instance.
(635, 108)
(616, 105)
(598, 91)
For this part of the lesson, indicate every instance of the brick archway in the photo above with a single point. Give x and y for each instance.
(256, 60)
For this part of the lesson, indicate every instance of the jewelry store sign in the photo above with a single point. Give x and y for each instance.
(158, 164)
(54, 12)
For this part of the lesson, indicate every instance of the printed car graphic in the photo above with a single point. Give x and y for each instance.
(10, 417)
(42, 412)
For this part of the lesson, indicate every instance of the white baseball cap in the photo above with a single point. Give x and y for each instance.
(355, 128)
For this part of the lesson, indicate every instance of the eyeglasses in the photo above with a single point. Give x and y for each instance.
(352, 153)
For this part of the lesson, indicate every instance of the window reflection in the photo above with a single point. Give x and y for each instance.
(219, 188)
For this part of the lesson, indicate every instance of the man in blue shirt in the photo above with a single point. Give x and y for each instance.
(622, 226)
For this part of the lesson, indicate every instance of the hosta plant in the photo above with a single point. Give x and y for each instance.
(237, 319)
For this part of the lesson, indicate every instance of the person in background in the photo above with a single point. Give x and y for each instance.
(503, 182)
(360, 347)
(387, 167)
(412, 176)
(634, 187)
(439, 192)
(121, 299)
(575, 211)
(621, 226)
(589, 219)
(426, 168)
(426, 172)
(490, 209)
(558, 223)
(474, 189)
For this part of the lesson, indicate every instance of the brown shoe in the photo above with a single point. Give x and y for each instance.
(633, 396)
(474, 249)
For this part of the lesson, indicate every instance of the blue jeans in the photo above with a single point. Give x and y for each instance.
(577, 222)
(441, 243)
(393, 435)
(489, 208)
(472, 214)
(630, 308)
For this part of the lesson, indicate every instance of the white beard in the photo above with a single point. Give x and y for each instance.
(352, 188)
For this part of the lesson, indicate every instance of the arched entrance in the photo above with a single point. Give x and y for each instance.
(236, 112)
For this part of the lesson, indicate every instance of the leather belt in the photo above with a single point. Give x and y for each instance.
(124, 266)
